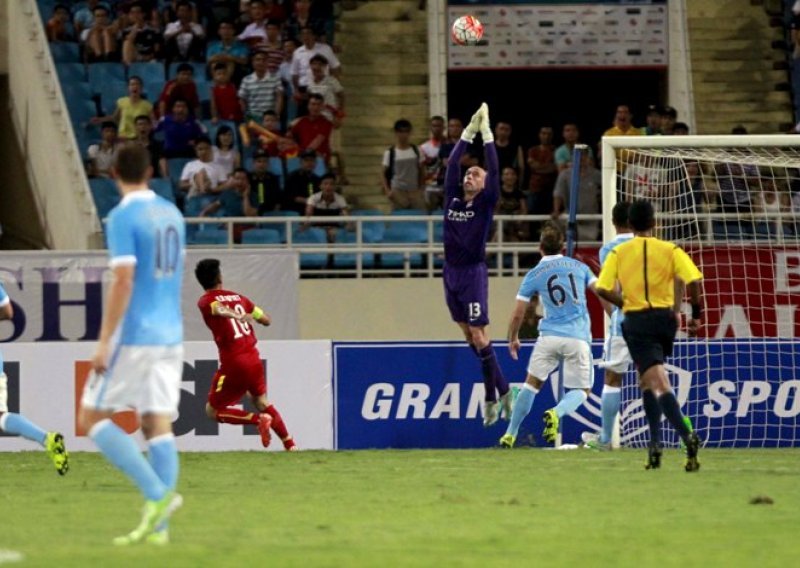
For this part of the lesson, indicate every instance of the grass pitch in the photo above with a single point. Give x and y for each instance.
(423, 508)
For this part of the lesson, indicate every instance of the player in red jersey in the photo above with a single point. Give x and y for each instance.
(230, 317)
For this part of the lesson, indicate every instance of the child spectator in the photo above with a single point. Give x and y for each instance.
(261, 90)
(181, 87)
(185, 39)
(180, 130)
(269, 137)
(128, 108)
(224, 100)
(226, 157)
(59, 27)
(329, 87)
(103, 155)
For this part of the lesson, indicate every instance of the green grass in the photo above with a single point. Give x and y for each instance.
(424, 508)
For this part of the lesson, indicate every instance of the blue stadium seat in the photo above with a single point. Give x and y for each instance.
(101, 74)
(261, 237)
(112, 90)
(292, 164)
(149, 72)
(199, 71)
(175, 168)
(105, 194)
(152, 90)
(71, 72)
(320, 168)
(280, 227)
(81, 110)
(311, 236)
(163, 187)
(65, 52)
(400, 235)
(209, 237)
(726, 230)
(348, 260)
(421, 227)
(76, 89)
(375, 229)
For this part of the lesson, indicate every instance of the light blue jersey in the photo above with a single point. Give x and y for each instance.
(560, 282)
(149, 231)
(615, 329)
(4, 299)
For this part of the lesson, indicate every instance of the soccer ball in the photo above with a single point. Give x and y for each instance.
(467, 30)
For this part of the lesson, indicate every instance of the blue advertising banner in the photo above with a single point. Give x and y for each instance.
(429, 395)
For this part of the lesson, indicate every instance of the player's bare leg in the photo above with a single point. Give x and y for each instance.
(276, 421)
(656, 389)
(493, 379)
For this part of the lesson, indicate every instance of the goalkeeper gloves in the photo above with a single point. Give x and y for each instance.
(473, 127)
(486, 127)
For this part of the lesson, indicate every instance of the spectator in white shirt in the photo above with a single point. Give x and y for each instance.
(202, 177)
(256, 30)
(301, 65)
(185, 39)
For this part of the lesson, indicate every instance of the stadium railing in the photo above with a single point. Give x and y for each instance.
(425, 258)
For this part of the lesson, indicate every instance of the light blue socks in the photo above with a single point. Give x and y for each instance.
(570, 402)
(18, 425)
(522, 407)
(609, 406)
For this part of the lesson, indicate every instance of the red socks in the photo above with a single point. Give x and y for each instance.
(279, 427)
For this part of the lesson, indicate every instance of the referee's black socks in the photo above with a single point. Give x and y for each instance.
(672, 410)
(653, 412)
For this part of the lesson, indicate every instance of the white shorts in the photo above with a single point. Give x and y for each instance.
(616, 357)
(3, 393)
(576, 355)
(145, 378)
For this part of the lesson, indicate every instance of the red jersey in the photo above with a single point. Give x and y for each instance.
(234, 339)
(306, 130)
(227, 102)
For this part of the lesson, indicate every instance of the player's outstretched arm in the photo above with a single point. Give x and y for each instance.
(452, 174)
(489, 153)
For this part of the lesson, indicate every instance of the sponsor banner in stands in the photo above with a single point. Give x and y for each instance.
(46, 382)
(430, 395)
(59, 296)
(568, 35)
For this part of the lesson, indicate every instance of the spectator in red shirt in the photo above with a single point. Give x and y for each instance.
(224, 96)
(181, 87)
(313, 131)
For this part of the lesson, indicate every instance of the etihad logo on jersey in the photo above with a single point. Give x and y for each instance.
(459, 216)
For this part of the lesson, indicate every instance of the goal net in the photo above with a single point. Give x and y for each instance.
(729, 201)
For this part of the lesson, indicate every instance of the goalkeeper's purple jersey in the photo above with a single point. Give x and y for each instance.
(467, 224)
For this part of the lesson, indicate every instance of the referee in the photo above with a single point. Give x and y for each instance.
(647, 269)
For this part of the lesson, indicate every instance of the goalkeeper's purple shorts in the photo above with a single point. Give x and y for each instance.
(466, 290)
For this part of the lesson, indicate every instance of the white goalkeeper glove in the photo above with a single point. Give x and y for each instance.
(486, 126)
(474, 126)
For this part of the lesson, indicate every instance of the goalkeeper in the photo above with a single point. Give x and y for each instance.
(646, 268)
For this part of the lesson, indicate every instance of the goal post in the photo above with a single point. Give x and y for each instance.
(730, 202)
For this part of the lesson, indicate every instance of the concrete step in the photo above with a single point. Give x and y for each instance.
(359, 81)
(711, 114)
(380, 66)
(778, 97)
(724, 127)
(702, 64)
(746, 88)
(361, 100)
(745, 107)
(380, 10)
(734, 79)
(714, 34)
(379, 28)
(722, 9)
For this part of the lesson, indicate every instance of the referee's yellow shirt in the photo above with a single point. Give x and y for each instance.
(646, 268)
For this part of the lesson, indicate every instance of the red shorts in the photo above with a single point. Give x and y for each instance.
(236, 378)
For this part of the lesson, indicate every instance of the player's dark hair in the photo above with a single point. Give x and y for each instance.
(552, 239)
(619, 215)
(132, 163)
(207, 273)
(641, 216)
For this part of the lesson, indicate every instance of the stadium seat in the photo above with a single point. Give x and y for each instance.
(105, 194)
(65, 52)
(163, 187)
(311, 236)
(348, 260)
(152, 90)
(112, 90)
(152, 72)
(292, 164)
(421, 227)
(320, 168)
(400, 235)
(76, 89)
(261, 237)
(71, 71)
(375, 229)
(100, 74)
(175, 168)
(280, 227)
(726, 230)
(209, 237)
(81, 110)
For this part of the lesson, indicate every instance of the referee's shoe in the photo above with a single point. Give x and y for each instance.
(691, 452)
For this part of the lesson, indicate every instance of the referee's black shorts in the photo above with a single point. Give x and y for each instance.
(649, 335)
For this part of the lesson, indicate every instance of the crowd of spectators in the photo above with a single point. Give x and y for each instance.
(240, 93)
